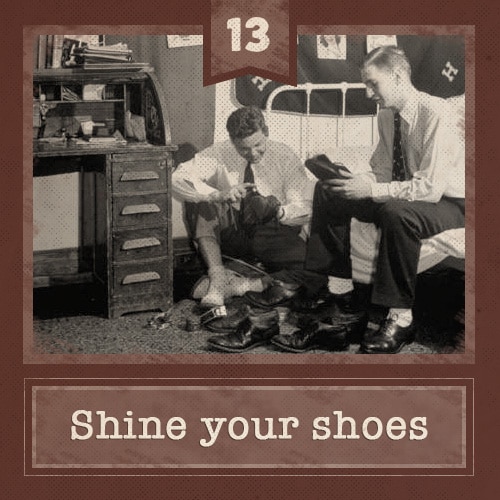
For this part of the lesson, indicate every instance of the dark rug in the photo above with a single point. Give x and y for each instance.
(70, 319)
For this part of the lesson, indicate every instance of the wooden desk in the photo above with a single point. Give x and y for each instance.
(125, 218)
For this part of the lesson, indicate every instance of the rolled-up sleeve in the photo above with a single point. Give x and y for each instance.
(435, 152)
(189, 181)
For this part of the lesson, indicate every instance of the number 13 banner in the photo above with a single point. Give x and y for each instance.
(250, 36)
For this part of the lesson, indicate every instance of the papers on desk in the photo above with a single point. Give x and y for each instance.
(116, 138)
(51, 140)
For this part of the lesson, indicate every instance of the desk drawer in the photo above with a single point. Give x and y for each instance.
(140, 210)
(142, 277)
(140, 175)
(140, 244)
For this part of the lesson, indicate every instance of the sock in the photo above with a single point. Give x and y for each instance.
(340, 286)
(217, 272)
(403, 317)
(216, 288)
(239, 285)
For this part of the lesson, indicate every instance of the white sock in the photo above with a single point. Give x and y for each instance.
(217, 272)
(217, 287)
(339, 286)
(403, 317)
(239, 285)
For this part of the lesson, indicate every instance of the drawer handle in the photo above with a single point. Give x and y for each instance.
(146, 208)
(141, 243)
(140, 277)
(139, 176)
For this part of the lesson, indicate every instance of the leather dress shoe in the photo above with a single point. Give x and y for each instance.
(253, 331)
(229, 323)
(354, 321)
(389, 339)
(313, 336)
(325, 304)
(315, 306)
(277, 294)
(334, 333)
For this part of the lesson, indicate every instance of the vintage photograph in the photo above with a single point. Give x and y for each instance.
(249, 216)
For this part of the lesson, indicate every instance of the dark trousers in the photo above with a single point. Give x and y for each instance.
(275, 245)
(403, 224)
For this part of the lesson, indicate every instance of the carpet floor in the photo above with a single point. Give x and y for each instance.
(70, 319)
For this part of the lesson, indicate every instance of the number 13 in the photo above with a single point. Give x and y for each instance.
(260, 27)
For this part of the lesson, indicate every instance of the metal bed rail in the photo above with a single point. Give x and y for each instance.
(340, 120)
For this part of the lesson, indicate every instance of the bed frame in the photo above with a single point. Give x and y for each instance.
(339, 125)
(447, 249)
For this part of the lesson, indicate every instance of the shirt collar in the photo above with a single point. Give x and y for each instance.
(410, 108)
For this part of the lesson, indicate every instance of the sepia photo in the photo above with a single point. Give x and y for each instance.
(249, 217)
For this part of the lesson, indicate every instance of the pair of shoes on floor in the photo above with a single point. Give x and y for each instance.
(346, 325)
(258, 329)
(334, 333)
(254, 330)
(280, 293)
(250, 327)
(390, 338)
(345, 330)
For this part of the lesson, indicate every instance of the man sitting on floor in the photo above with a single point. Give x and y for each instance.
(250, 196)
(416, 190)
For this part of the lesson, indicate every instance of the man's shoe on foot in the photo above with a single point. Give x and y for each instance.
(309, 303)
(277, 294)
(389, 339)
(253, 331)
(355, 323)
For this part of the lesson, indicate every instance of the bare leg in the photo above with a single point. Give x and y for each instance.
(210, 251)
(220, 285)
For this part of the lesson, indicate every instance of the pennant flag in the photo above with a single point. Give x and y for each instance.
(437, 61)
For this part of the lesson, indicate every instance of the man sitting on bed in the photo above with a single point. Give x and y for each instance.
(416, 190)
(269, 179)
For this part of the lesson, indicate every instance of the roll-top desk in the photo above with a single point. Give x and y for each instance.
(125, 194)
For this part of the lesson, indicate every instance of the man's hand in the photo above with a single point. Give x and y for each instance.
(234, 194)
(354, 187)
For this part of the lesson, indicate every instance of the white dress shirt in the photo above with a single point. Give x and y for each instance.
(219, 167)
(433, 140)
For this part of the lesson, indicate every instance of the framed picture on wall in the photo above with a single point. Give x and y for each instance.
(331, 46)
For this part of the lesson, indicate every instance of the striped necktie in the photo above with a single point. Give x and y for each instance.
(248, 175)
(398, 160)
